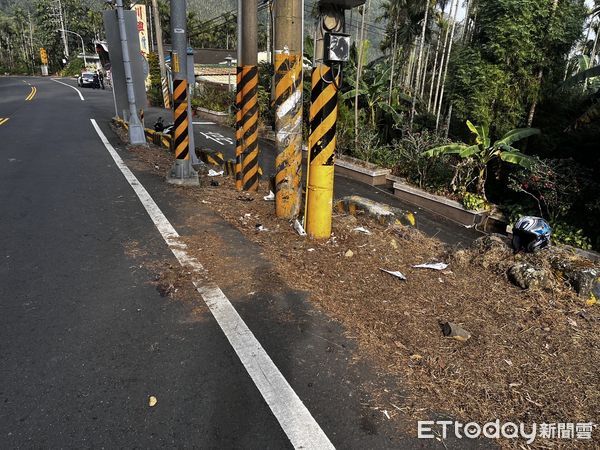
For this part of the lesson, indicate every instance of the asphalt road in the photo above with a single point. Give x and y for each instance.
(86, 338)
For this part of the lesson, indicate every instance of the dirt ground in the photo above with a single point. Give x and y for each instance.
(532, 356)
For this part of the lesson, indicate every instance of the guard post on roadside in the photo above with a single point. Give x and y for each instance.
(247, 168)
(181, 172)
(287, 82)
(332, 49)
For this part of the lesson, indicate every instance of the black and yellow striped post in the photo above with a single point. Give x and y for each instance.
(165, 91)
(247, 137)
(180, 120)
(250, 176)
(239, 132)
(287, 101)
(182, 172)
(321, 148)
(288, 126)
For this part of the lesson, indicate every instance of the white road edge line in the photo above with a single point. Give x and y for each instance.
(203, 123)
(294, 418)
(78, 91)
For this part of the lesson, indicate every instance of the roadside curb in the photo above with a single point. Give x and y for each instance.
(384, 214)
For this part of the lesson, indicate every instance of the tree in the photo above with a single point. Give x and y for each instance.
(495, 78)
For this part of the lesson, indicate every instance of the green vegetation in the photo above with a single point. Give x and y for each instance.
(213, 98)
(483, 152)
(73, 68)
(155, 91)
(526, 70)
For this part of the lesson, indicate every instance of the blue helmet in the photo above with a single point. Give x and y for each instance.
(531, 234)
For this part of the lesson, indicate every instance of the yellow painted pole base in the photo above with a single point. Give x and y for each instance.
(320, 202)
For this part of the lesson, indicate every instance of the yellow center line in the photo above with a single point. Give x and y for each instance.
(3, 121)
(31, 94)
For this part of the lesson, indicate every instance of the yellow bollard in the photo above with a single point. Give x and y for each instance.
(321, 148)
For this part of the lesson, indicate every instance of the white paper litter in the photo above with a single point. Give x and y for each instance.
(270, 197)
(310, 250)
(433, 266)
(261, 228)
(299, 228)
(214, 173)
(362, 230)
(396, 274)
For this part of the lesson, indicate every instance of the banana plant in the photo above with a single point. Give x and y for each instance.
(483, 151)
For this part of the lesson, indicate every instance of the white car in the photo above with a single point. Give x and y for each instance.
(86, 79)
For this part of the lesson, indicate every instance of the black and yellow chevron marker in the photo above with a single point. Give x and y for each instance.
(321, 147)
(239, 132)
(157, 138)
(212, 158)
(288, 126)
(166, 141)
(249, 102)
(180, 120)
(230, 167)
(150, 135)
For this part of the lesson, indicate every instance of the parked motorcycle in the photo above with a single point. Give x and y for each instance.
(160, 126)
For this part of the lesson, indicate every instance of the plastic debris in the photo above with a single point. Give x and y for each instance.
(299, 228)
(362, 230)
(310, 250)
(214, 173)
(259, 227)
(270, 197)
(396, 274)
(433, 266)
(454, 331)
(152, 401)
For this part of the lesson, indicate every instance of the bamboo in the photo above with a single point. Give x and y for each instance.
(437, 119)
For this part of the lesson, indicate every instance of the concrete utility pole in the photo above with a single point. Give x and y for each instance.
(62, 27)
(249, 96)
(182, 171)
(161, 56)
(287, 81)
(239, 88)
(136, 129)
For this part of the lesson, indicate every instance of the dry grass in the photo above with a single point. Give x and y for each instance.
(533, 355)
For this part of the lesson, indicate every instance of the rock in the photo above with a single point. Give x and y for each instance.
(349, 254)
(527, 276)
(585, 281)
(384, 214)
